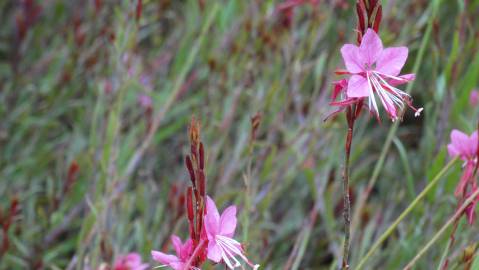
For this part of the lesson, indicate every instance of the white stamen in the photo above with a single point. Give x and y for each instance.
(229, 249)
(418, 112)
(371, 96)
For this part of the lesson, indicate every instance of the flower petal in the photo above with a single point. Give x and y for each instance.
(228, 221)
(474, 141)
(163, 257)
(214, 252)
(391, 60)
(452, 150)
(212, 218)
(352, 59)
(186, 250)
(371, 47)
(461, 142)
(403, 79)
(358, 86)
(176, 244)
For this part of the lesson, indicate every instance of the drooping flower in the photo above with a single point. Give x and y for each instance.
(131, 261)
(374, 73)
(183, 253)
(220, 230)
(465, 147)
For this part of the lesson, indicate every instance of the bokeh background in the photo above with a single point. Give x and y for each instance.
(96, 97)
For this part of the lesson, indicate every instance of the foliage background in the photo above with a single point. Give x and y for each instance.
(71, 77)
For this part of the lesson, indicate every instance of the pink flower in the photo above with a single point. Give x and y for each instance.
(374, 73)
(131, 261)
(463, 145)
(220, 230)
(474, 98)
(183, 253)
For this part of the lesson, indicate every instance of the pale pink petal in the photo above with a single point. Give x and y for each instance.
(352, 59)
(163, 257)
(452, 150)
(460, 142)
(133, 258)
(371, 47)
(214, 252)
(228, 221)
(176, 244)
(141, 267)
(358, 86)
(474, 141)
(403, 79)
(212, 218)
(177, 265)
(391, 60)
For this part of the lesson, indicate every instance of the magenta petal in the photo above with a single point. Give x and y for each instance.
(391, 60)
(186, 250)
(352, 59)
(358, 86)
(163, 258)
(228, 221)
(371, 47)
(214, 252)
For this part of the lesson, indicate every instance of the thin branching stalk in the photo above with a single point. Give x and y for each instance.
(346, 199)
(453, 219)
(413, 204)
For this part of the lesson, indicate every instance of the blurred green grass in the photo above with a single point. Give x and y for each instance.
(69, 92)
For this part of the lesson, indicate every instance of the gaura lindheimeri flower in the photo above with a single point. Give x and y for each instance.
(374, 73)
(131, 261)
(183, 253)
(465, 147)
(220, 230)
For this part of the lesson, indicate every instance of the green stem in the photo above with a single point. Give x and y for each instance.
(393, 226)
(456, 216)
(379, 165)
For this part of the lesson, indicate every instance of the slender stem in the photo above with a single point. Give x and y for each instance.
(444, 263)
(346, 200)
(194, 255)
(456, 216)
(393, 226)
(392, 131)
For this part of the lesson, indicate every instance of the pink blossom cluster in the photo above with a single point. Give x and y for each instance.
(210, 234)
(216, 238)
